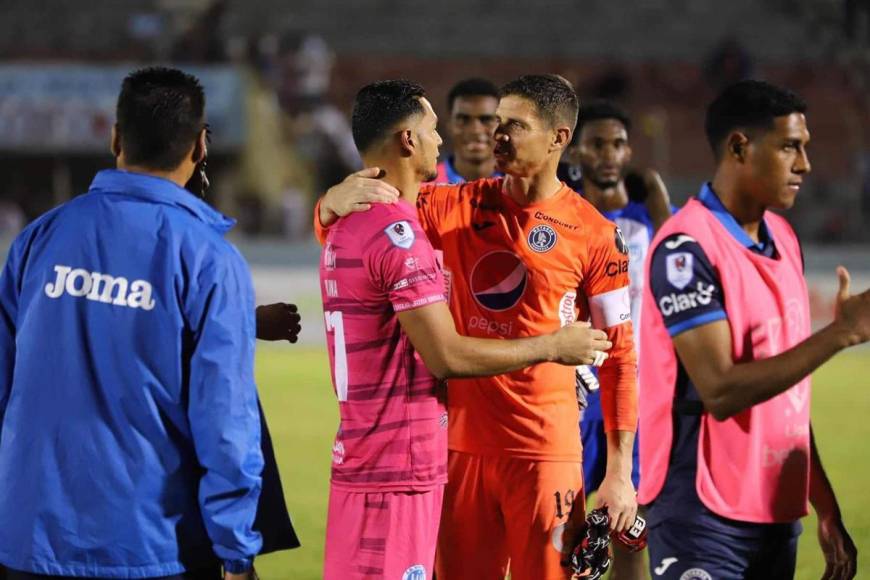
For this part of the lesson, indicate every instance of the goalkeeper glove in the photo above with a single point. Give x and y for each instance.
(585, 383)
(590, 559)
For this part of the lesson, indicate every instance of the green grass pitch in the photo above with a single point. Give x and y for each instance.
(302, 413)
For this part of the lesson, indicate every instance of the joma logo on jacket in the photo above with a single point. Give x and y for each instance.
(99, 287)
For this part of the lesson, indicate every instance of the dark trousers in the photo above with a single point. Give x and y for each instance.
(213, 573)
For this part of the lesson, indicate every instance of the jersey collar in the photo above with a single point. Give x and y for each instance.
(712, 202)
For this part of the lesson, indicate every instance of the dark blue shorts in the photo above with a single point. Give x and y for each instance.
(697, 550)
(595, 450)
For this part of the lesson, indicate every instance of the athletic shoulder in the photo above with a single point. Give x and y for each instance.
(478, 187)
(595, 225)
(378, 216)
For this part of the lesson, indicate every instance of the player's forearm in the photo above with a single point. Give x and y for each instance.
(821, 492)
(658, 202)
(618, 379)
(620, 445)
(745, 385)
(473, 357)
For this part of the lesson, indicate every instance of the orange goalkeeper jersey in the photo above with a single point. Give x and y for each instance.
(524, 270)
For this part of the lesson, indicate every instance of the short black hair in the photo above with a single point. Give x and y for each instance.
(748, 104)
(379, 106)
(598, 111)
(473, 87)
(553, 96)
(160, 114)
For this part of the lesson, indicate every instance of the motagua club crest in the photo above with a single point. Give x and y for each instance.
(542, 238)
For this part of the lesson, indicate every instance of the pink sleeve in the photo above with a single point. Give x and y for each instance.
(403, 265)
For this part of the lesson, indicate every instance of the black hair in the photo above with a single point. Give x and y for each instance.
(379, 106)
(473, 87)
(598, 111)
(160, 115)
(748, 105)
(553, 96)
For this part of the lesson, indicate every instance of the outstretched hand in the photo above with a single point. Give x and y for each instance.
(853, 311)
(279, 321)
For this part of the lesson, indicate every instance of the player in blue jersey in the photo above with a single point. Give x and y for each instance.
(471, 124)
(596, 168)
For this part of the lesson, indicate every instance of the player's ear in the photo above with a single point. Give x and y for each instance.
(407, 142)
(735, 145)
(562, 137)
(115, 143)
(200, 147)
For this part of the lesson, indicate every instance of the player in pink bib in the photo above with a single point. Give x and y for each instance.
(726, 351)
(390, 338)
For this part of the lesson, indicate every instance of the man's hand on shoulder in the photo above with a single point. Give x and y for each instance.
(357, 192)
(278, 321)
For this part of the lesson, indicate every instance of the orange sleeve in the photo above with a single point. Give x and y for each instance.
(319, 229)
(610, 308)
(618, 378)
(434, 205)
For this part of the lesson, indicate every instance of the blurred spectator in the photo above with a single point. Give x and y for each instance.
(320, 131)
(203, 42)
(864, 172)
(612, 85)
(12, 219)
(854, 12)
(727, 64)
(270, 169)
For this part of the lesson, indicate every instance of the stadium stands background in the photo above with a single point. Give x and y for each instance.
(294, 67)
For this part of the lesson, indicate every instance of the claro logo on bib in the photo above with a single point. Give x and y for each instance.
(99, 287)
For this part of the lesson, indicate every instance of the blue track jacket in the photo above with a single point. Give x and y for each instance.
(130, 440)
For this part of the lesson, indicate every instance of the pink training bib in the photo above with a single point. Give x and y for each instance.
(753, 467)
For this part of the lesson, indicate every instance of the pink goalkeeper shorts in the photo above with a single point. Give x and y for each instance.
(389, 535)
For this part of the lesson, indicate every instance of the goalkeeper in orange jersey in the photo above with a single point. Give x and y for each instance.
(523, 254)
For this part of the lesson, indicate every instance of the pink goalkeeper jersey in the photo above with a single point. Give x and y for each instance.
(393, 430)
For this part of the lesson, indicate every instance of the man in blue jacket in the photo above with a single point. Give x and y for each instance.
(130, 443)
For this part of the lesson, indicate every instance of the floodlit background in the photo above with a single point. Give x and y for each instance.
(280, 77)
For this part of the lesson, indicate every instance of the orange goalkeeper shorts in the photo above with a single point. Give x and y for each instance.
(506, 513)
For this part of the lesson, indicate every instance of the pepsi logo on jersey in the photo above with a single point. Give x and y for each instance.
(498, 280)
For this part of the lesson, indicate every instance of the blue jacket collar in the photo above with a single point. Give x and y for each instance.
(712, 202)
(159, 190)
